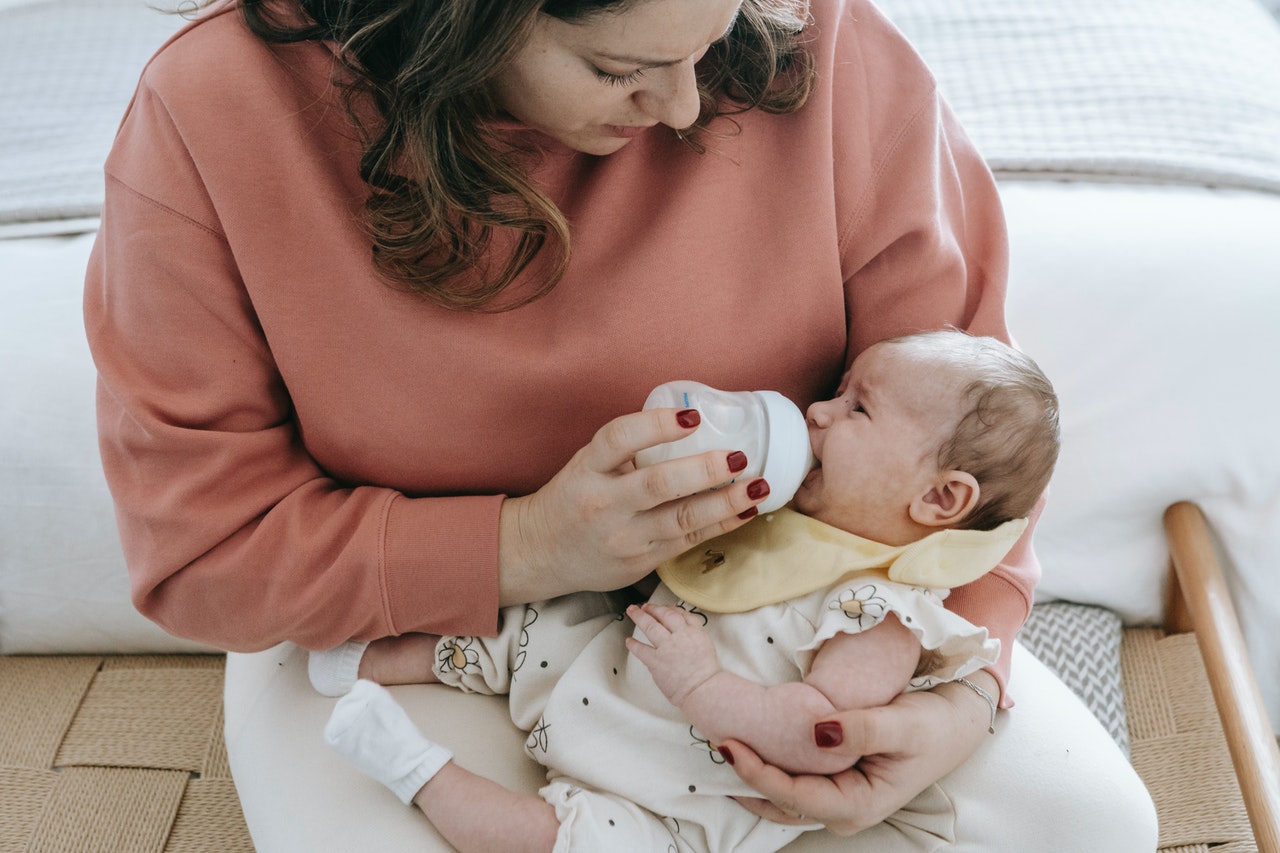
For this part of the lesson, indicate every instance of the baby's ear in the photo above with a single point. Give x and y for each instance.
(952, 496)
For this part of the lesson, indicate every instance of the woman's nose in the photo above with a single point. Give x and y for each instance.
(672, 98)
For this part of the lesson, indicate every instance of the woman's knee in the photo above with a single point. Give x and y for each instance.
(1051, 779)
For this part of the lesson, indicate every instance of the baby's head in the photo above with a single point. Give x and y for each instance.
(932, 430)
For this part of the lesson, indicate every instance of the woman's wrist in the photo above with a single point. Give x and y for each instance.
(974, 696)
(987, 697)
(520, 578)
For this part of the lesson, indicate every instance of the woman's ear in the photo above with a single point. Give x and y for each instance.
(951, 497)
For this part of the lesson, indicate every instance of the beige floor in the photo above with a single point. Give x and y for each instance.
(124, 754)
(115, 754)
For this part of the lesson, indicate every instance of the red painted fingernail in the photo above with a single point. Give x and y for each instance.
(737, 461)
(726, 755)
(757, 489)
(688, 418)
(749, 512)
(828, 734)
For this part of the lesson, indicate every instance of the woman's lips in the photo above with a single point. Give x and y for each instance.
(626, 131)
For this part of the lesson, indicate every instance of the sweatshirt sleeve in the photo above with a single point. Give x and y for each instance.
(233, 535)
(923, 246)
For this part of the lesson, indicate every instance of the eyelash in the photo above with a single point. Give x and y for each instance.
(619, 79)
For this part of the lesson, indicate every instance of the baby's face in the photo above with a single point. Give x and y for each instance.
(876, 442)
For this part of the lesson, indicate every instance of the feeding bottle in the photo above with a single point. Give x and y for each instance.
(765, 425)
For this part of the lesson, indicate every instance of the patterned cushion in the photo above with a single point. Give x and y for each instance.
(1081, 644)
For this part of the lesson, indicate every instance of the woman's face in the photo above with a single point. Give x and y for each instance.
(597, 83)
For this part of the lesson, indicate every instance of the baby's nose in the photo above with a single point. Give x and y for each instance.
(819, 414)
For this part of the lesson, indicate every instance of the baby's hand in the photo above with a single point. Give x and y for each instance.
(680, 655)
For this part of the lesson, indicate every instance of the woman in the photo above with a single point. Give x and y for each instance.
(312, 440)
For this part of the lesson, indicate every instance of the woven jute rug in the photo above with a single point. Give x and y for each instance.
(118, 754)
(124, 754)
(1178, 747)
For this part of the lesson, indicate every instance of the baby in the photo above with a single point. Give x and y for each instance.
(929, 458)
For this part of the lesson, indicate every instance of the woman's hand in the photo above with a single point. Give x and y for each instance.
(601, 523)
(905, 746)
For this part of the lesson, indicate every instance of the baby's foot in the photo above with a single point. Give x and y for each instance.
(334, 671)
(370, 729)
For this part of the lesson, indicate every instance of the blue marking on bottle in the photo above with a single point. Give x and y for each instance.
(686, 399)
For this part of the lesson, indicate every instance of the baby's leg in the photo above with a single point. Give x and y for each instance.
(477, 814)
(370, 729)
(406, 659)
(545, 635)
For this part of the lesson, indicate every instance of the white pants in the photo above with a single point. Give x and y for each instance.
(1050, 781)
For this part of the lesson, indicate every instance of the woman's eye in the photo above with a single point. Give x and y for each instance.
(619, 79)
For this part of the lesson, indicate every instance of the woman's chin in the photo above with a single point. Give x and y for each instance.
(596, 142)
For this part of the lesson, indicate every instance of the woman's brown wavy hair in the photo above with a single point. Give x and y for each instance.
(441, 184)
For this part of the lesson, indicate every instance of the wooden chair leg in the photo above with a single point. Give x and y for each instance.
(1199, 599)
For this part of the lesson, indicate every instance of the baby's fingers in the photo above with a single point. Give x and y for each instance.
(672, 618)
(643, 651)
(653, 630)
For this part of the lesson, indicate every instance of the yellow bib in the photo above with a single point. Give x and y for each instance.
(786, 554)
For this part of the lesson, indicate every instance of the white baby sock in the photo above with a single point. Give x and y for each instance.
(370, 729)
(333, 672)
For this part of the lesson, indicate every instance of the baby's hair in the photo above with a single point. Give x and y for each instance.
(1008, 433)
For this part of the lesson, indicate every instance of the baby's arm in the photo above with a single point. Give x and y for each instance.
(849, 671)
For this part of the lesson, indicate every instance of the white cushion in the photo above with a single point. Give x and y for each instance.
(1154, 311)
(63, 584)
(299, 797)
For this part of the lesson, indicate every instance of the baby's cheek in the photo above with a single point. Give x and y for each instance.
(806, 495)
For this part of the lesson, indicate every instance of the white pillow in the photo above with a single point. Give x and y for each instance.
(63, 584)
(1154, 311)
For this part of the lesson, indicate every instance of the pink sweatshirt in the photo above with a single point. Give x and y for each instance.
(299, 451)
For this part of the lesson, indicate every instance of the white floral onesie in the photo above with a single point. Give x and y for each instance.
(626, 772)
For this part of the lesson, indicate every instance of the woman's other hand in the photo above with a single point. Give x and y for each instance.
(601, 523)
(900, 748)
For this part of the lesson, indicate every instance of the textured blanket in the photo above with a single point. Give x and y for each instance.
(1182, 91)
(1162, 90)
(67, 72)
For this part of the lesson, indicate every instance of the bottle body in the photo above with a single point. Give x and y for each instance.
(764, 425)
